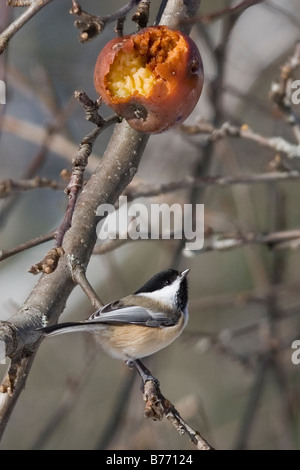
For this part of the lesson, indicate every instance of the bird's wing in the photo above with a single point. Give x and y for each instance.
(112, 314)
(117, 312)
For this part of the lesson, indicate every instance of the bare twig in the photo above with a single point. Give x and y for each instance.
(9, 186)
(16, 25)
(276, 240)
(237, 9)
(92, 25)
(158, 406)
(4, 254)
(119, 28)
(78, 273)
(289, 239)
(91, 111)
(278, 144)
(19, 3)
(74, 187)
(80, 161)
(151, 190)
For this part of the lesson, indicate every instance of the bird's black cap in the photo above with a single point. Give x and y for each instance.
(160, 280)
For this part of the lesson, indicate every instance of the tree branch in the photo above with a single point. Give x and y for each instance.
(92, 25)
(9, 186)
(227, 130)
(48, 298)
(4, 254)
(236, 10)
(16, 25)
(158, 406)
(143, 189)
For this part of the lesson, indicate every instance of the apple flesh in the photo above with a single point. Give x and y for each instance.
(153, 78)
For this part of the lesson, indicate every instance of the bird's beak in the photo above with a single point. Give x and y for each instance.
(184, 273)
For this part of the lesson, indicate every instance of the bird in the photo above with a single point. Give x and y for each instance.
(141, 323)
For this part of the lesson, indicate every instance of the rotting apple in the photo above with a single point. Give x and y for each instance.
(152, 78)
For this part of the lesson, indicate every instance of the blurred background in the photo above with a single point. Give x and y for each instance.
(230, 374)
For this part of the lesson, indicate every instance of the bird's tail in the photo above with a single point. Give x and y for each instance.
(70, 327)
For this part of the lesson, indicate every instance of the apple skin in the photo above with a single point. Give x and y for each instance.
(178, 79)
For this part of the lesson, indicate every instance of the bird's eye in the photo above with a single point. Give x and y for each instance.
(167, 282)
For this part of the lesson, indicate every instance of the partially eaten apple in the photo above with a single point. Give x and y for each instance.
(153, 78)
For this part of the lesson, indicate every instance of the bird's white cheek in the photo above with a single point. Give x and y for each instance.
(166, 295)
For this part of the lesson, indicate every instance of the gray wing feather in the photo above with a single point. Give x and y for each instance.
(114, 313)
(117, 312)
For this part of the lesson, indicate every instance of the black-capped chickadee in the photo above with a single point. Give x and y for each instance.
(142, 323)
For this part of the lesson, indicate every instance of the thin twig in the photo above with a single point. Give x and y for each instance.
(278, 144)
(283, 240)
(74, 187)
(158, 406)
(80, 160)
(19, 3)
(237, 9)
(9, 186)
(144, 189)
(17, 24)
(4, 254)
(92, 25)
(274, 240)
(79, 276)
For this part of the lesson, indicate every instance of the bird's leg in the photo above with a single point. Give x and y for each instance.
(144, 373)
